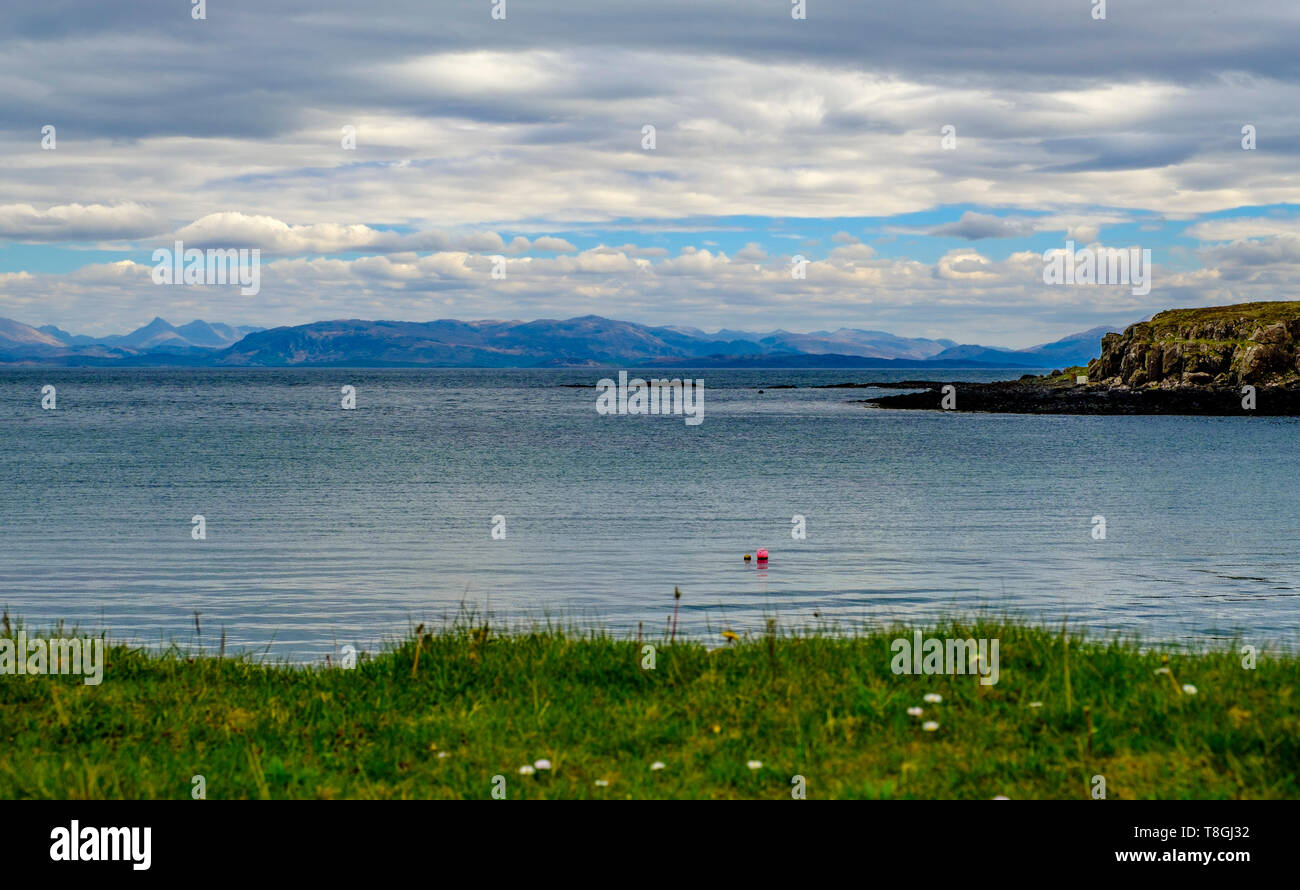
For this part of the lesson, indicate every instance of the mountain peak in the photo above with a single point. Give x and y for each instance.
(17, 333)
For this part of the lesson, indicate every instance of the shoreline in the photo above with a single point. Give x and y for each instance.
(1040, 397)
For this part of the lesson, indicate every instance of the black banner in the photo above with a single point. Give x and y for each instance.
(355, 839)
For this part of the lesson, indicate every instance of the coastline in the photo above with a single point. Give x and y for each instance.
(1039, 397)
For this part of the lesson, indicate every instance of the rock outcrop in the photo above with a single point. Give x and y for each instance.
(1221, 346)
(1057, 397)
(1184, 361)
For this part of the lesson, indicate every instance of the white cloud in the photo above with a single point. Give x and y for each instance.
(78, 222)
(1240, 228)
(274, 236)
(533, 128)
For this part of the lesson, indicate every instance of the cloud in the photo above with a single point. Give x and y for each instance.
(557, 245)
(737, 135)
(232, 229)
(476, 137)
(1238, 229)
(965, 264)
(1275, 255)
(78, 222)
(274, 236)
(852, 253)
(974, 226)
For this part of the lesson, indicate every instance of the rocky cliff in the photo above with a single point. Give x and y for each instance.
(1250, 343)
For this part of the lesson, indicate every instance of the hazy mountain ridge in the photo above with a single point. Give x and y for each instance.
(1063, 352)
(158, 335)
(589, 340)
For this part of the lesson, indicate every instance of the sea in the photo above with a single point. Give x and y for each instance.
(505, 496)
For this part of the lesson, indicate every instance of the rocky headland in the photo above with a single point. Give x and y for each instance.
(1183, 361)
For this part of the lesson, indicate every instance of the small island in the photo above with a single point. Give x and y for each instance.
(1182, 361)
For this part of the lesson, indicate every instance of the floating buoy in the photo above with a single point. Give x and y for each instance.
(762, 556)
(746, 557)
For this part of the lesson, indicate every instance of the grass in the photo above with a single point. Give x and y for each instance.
(479, 704)
(1268, 312)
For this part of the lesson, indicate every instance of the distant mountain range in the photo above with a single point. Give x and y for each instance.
(160, 336)
(587, 341)
(198, 341)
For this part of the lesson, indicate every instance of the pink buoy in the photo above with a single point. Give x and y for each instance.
(762, 556)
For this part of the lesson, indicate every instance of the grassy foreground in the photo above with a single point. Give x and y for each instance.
(479, 704)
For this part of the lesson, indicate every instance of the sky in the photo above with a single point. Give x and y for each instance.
(921, 157)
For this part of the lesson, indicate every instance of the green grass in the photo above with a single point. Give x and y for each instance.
(1268, 312)
(819, 705)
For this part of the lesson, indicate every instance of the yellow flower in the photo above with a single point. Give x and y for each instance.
(730, 635)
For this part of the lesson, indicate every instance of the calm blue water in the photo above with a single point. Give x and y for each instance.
(327, 527)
